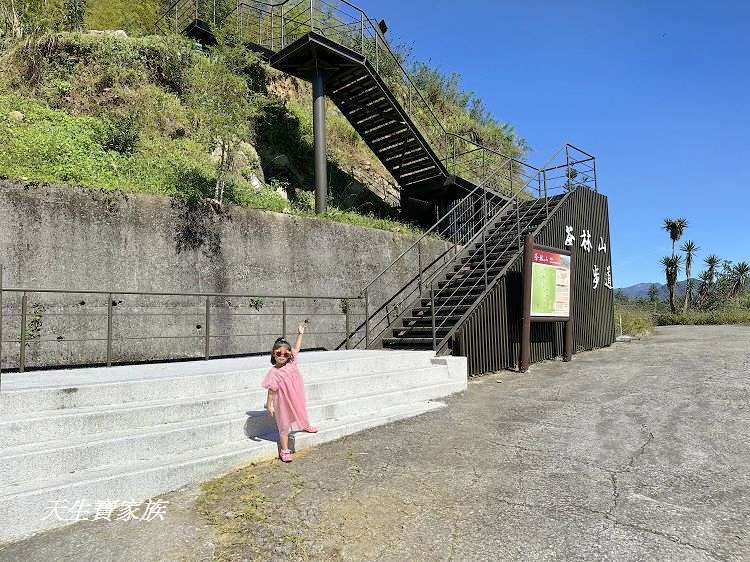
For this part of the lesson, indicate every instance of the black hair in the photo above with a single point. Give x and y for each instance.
(280, 342)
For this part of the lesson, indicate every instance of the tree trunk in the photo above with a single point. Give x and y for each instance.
(672, 305)
(688, 290)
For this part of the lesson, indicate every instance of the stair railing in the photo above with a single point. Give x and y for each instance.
(538, 187)
(273, 26)
(578, 171)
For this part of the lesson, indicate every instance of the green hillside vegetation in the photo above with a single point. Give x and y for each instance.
(154, 114)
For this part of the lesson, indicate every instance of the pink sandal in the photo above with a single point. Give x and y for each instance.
(310, 429)
(285, 455)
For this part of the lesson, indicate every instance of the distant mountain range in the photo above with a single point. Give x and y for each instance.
(640, 290)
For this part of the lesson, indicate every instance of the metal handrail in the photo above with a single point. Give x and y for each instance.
(466, 250)
(478, 300)
(422, 237)
(204, 299)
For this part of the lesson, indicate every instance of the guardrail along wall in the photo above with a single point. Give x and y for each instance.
(70, 238)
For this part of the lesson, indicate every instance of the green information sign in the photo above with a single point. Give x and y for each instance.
(550, 284)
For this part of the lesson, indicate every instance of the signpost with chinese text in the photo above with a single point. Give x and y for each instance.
(547, 295)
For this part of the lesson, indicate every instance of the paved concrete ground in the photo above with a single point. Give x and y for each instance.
(636, 452)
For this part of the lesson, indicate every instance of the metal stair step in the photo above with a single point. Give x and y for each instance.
(420, 331)
(410, 321)
(408, 343)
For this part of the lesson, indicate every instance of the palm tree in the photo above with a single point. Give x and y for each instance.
(690, 248)
(671, 269)
(705, 287)
(739, 277)
(676, 228)
(712, 262)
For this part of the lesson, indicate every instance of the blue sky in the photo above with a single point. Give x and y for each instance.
(658, 91)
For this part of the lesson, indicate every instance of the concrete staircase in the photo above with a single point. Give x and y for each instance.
(133, 432)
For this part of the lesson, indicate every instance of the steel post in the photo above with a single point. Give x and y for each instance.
(312, 17)
(367, 320)
(484, 235)
(377, 39)
(362, 31)
(546, 199)
(596, 187)
(22, 353)
(283, 318)
(524, 350)
(319, 129)
(283, 28)
(419, 264)
(207, 331)
(1, 326)
(347, 320)
(432, 314)
(109, 330)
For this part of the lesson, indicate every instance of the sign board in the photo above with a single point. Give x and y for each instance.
(550, 284)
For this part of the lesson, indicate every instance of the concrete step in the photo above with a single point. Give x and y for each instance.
(75, 423)
(75, 388)
(26, 510)
(41, 460)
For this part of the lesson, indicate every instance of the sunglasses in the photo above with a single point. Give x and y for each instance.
(282, 353)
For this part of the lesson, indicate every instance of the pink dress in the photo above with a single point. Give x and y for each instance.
(290, 409)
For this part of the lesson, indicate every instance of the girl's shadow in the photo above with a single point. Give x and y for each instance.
(259, 426)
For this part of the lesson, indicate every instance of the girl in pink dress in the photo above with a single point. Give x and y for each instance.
(286, 392)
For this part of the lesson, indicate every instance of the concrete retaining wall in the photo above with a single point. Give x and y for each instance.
(70, 238)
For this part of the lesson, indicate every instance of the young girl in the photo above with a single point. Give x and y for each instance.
(286, 393)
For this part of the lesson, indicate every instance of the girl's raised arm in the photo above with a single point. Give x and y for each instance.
(298, 343)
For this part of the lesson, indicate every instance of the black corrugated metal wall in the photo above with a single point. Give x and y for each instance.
(490, 337)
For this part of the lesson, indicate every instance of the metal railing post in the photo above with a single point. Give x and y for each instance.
(367, 319)
(596, 187)
(362, 31)
(312, 17)
(214, 12)
(347, 320)
(109, 330)
(283, 318)
(419, 264)
(546, 199)
(22, 358)
(1, 326)
(484, 235)
(432, 314)
(518, 226)
(283, 28)
(377, 64)
(272, 43)
(207, 320)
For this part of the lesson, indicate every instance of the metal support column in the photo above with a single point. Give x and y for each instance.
(207, 331)
(109, 330)
(283, 318)
(1, 326)
(22, 339)
(524, 348)
(347, 321)
(319, 129)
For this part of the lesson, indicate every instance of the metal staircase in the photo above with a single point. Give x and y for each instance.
(489, 201)
(364, 78)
